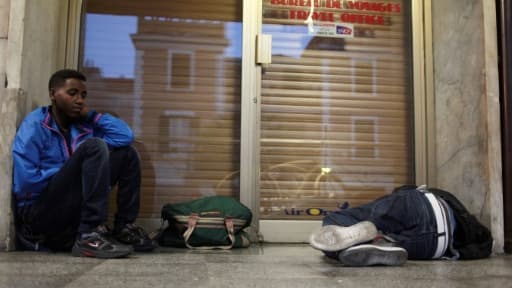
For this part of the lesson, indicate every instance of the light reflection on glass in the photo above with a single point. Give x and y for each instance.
(174, 76)
(335, 111)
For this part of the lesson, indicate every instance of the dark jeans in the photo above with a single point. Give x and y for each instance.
(77, 197)
(405, 215)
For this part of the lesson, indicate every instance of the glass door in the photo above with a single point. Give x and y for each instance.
(327, 125)
(172, 71)
(336, 110)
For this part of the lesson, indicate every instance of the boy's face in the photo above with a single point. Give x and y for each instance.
(69, 99)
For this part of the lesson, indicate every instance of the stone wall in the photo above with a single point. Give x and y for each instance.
(7, 105)
(30, 50)
(465, 156)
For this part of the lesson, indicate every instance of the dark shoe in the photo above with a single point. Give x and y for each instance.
(381, 251)
(134, 235)
(332, 238)
(97, 244)
(26, 240)
(56, 242)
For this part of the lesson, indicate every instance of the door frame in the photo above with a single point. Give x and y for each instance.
(72, 33)
(505, 42)
(250, 113)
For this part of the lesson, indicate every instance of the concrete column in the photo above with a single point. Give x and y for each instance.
(11, 33)
(30, 42)
(467, 108)
(7, 128)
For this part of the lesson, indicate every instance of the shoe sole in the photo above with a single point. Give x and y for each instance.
(146, 246)
(371, 255)
(332, 238)
(77, 252)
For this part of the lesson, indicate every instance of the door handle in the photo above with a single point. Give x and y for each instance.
(263, 49)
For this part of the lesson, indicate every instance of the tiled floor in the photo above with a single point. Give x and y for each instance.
(259, 266)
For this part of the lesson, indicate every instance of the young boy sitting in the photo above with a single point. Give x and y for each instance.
(67, 157)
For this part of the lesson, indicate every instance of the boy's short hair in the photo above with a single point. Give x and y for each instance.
(58, 78)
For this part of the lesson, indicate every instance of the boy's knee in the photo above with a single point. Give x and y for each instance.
(95, 145)
(96, 142)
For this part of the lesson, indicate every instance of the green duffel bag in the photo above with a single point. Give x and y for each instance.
(214, 222)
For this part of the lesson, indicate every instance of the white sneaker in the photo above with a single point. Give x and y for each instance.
(332, 238)
(379, 252)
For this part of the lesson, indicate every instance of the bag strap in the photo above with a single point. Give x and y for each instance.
(192, 223)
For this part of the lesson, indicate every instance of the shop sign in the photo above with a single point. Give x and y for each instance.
(355, 12)
(312, 211)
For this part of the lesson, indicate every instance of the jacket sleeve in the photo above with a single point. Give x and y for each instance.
(28, 177)
(114, 131)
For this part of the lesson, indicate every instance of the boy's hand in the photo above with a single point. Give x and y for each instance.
(84, 111)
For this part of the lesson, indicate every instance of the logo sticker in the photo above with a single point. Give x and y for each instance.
(334, 30)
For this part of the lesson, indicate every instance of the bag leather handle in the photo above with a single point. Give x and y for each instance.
(192, 223)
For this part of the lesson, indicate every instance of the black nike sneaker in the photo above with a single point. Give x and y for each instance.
(131, 234)
(98, 245)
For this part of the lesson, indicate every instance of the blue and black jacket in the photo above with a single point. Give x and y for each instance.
(40, 149)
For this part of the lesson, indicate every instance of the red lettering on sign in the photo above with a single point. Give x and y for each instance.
(363, 12)
(295, 2)
(362, 19)
(301, 15)
(323, 16)
(374, 6)
(333, 4)
(318, 16)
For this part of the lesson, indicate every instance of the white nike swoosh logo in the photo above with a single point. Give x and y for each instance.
(95, 244)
